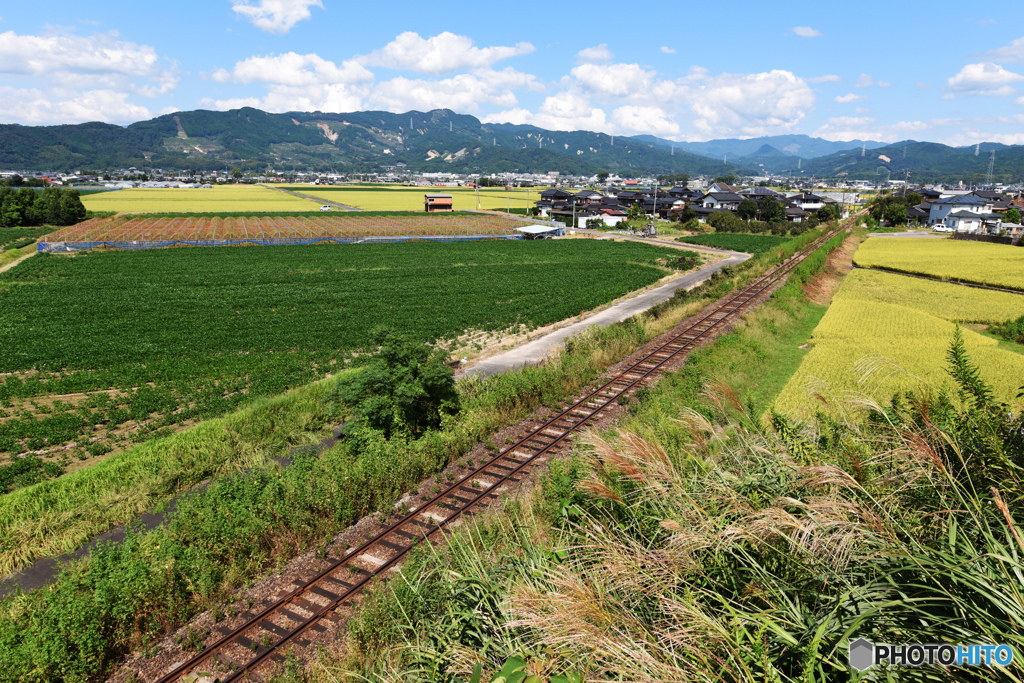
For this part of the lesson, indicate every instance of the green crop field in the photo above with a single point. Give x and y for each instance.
(900, 326)
(157, 338)
(226, 198)
(403, 198)
(751, 244)
(15, 238)
(979, 262)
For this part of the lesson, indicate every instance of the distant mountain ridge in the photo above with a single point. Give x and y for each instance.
(926, 162)
(438, 140)
(795, 145)
(441, 140)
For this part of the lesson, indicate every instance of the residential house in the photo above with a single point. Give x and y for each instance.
(729, 201)
(941, 208)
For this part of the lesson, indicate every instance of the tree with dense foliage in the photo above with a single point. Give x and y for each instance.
(729, 179)
(896, 213)
(828, 212)
(772, 211)
(686, 215)
(747, 210)
(602, 176)
(1013, 216)
(52, 206)
(406, 386)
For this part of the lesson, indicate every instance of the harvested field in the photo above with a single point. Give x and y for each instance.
(122, 229)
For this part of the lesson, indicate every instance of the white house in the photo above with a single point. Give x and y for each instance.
(964, 221)
(941, 208)
(722, 200)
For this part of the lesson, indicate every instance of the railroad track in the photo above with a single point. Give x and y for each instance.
(295, 618)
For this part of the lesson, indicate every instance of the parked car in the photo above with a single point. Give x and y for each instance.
(942, 228)
(325, 207)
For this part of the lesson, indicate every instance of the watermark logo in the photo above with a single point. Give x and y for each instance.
(864, 654)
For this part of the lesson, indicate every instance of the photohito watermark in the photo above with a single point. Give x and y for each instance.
(864, 654)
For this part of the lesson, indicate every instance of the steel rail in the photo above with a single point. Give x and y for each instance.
(577, 414)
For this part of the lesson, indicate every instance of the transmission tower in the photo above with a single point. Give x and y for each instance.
(991, 167)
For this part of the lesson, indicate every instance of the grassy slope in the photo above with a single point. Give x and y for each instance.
(752, 244)
(56, 516)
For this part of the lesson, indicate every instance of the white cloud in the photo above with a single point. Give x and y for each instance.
(443, 53)
(884, 84)
(562, 111)
(463, 93)
(827, 78)
(81, 62)
(868, 128)
(1019, 100)
(969, 136)
(862, 110)
(864, 81)
(276, 16)
(615, 80)
(293, 70)
(1012, 53)
(598, 53)
(652, 120)
(751, 104)
(297, 83)
(852, 97)
(33, 106)
(806, 32)
(668, 50)
(984, 78)
(70, 78)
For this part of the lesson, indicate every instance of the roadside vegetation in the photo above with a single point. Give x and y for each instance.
(718, 547)
(751, 244)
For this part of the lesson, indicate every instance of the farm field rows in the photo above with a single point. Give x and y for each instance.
(129, 227)
(902, 327)
(215, 199)
(751, 244)
(101, 342)
(403, 198)
(999, 265)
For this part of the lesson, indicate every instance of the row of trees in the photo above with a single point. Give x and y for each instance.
(52, 206)
(724, 221)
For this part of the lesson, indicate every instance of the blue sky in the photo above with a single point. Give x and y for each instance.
(885, 71)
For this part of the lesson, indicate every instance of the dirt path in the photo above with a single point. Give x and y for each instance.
(17, 261)
(538, 349)
(321, 200)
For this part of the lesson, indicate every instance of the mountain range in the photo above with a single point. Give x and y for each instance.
(441, 140)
